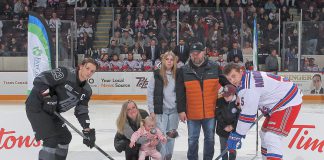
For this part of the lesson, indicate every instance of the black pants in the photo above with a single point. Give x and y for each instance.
(52, 130)
(231, 155)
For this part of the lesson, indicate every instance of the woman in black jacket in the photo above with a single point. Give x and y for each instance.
(227, 115)
(128, 122)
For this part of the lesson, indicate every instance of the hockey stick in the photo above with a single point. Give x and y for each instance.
(226, 149)
(81, 134)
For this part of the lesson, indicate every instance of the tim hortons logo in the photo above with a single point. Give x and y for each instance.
(8, 140)
(302, 141)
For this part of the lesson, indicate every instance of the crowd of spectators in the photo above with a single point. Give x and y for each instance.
(225, 27)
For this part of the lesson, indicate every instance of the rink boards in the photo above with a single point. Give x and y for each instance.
(127, 85)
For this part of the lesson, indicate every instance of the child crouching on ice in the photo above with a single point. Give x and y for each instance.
(149, 130)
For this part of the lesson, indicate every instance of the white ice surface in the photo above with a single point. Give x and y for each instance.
(103, 116)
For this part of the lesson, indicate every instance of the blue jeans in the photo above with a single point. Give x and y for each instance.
(167, 122)
(208, 126)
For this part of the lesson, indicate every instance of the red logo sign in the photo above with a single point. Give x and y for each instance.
(301, 140)
(8, 140)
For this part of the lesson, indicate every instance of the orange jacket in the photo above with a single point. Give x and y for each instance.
(200, 93)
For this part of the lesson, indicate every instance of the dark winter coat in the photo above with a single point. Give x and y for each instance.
(226, 114)
(121, 143)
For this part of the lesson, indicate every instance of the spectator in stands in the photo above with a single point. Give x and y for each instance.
(139, 38)
(247, 50)
(270, 5)
(173, 7)
(21, 28)
(126, 39)
(115, 64)
(54, 21)
(165, 31)
(235, 51)
(25, 13)
(312, 14)
(184, 7)
(152, 51)
(113, 49)
(198, 32)
(151, 36)
(128, 23)
(162, 101)
(142, 10)
(103, 63)
(145, 64)
(163, 20)
(151, 24)
(8, 12)
(220, 61)
(215, 36)
(116, 38)
(271, 36)
(117, 23)
(310, 36)
(284, 14)
(238, 61)
(138, 48)
(128, 12)
(317, 84)
(140, 23)
(13, 44)
(43, 3)
(124, 50)
(164, 46)
(271, 62)
(182, 51)
(18, 7)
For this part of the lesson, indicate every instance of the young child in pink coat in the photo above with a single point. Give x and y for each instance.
(149, 130)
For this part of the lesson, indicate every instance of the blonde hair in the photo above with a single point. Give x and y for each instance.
(122, 118)
(147, 120)
(163, 66)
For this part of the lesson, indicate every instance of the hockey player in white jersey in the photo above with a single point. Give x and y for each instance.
(277, 98)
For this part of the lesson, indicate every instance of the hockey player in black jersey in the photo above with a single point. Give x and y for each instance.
(59, 90)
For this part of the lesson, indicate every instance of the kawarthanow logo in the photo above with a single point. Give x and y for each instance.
(36, 51)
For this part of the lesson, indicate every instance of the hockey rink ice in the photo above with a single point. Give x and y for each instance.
(103, 116)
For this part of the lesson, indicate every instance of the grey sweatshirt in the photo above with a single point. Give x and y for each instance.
(169, 95)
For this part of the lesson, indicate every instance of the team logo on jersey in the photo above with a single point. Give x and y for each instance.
(57, 74)
(82, 97)
(68, 103)
(234, 110)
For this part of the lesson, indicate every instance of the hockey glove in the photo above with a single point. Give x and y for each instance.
(90, 137)
(234, 141)
(50, 104)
